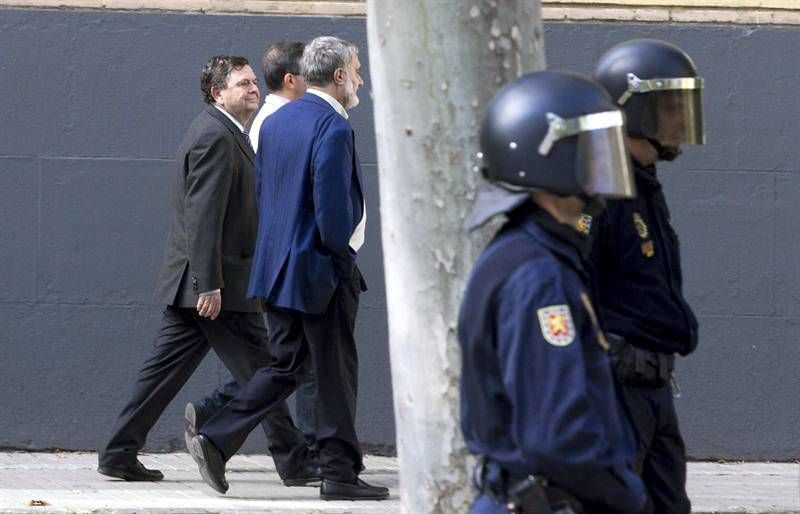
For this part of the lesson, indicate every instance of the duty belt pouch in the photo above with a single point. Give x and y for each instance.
(528, 496)
(638, 366)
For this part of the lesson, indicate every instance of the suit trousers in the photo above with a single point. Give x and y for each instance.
(302, 414)
(240, 341)
(328, 341)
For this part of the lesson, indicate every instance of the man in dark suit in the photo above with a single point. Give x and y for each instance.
(203, 280)
(312, 217)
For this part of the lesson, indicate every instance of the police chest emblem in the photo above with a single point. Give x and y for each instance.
(641, 226)
(557, 326)
(585, 224)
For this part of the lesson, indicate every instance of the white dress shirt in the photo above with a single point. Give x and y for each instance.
(234, 120)
(272, 103)
(357, 238)
(331, 100)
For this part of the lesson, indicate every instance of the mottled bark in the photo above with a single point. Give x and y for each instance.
(434, 65)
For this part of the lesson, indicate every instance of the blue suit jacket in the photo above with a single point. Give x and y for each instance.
(309, 188)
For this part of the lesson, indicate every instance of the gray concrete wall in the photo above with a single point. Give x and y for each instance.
(94, 105)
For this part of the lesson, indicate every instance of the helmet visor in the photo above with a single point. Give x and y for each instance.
(672, 117)
(602, 163)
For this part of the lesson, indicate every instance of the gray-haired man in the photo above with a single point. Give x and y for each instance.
(311, 226)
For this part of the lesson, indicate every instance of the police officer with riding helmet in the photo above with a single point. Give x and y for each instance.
(636, 260)
(538, 400)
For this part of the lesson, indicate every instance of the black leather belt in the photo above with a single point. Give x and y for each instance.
(637, 365)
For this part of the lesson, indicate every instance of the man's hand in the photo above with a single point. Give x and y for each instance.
(209, 304)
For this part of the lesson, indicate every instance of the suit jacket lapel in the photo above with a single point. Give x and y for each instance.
(310, 97)
(246, 148)
(237, 134)
(357, 165)
(244, 145)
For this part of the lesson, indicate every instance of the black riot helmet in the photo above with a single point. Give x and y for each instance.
(657, 86)
(551, 131)
(556, 132)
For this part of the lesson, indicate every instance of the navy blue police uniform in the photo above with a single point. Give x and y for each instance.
(635, 261)
(537, 392)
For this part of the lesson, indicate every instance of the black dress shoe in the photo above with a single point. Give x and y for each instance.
(306, 477)
(357, 490)
(135, 472)
(210, 461)
(195, 418)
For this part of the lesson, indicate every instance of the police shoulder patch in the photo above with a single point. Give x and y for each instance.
(556, 324)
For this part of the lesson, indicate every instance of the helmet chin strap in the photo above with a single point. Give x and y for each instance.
(665, 153)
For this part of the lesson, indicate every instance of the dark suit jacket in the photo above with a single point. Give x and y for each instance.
(214, 217)
(310, 201)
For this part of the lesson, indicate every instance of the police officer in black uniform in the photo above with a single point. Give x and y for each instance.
(538, 402)
(635, 256)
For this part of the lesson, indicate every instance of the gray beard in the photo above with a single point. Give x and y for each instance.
(351, 99)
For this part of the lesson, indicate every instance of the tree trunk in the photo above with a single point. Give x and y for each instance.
(434, 65)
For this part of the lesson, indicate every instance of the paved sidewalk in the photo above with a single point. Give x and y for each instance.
(68, 482)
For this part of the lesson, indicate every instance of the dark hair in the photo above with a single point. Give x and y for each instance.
(281, 58)
(216, 73)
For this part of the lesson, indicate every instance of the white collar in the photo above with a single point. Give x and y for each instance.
(226, 113)
(276, 100)
(331, 100)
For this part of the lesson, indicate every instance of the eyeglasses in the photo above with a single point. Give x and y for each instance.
(246, 83)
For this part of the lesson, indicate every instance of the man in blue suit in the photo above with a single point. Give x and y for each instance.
(312, 218)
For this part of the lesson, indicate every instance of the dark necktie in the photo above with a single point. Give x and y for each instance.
(247, 138)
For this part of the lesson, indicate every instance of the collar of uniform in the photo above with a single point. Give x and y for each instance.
(558, 237)
(331, 100)
(226, 113)
(646, 178)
